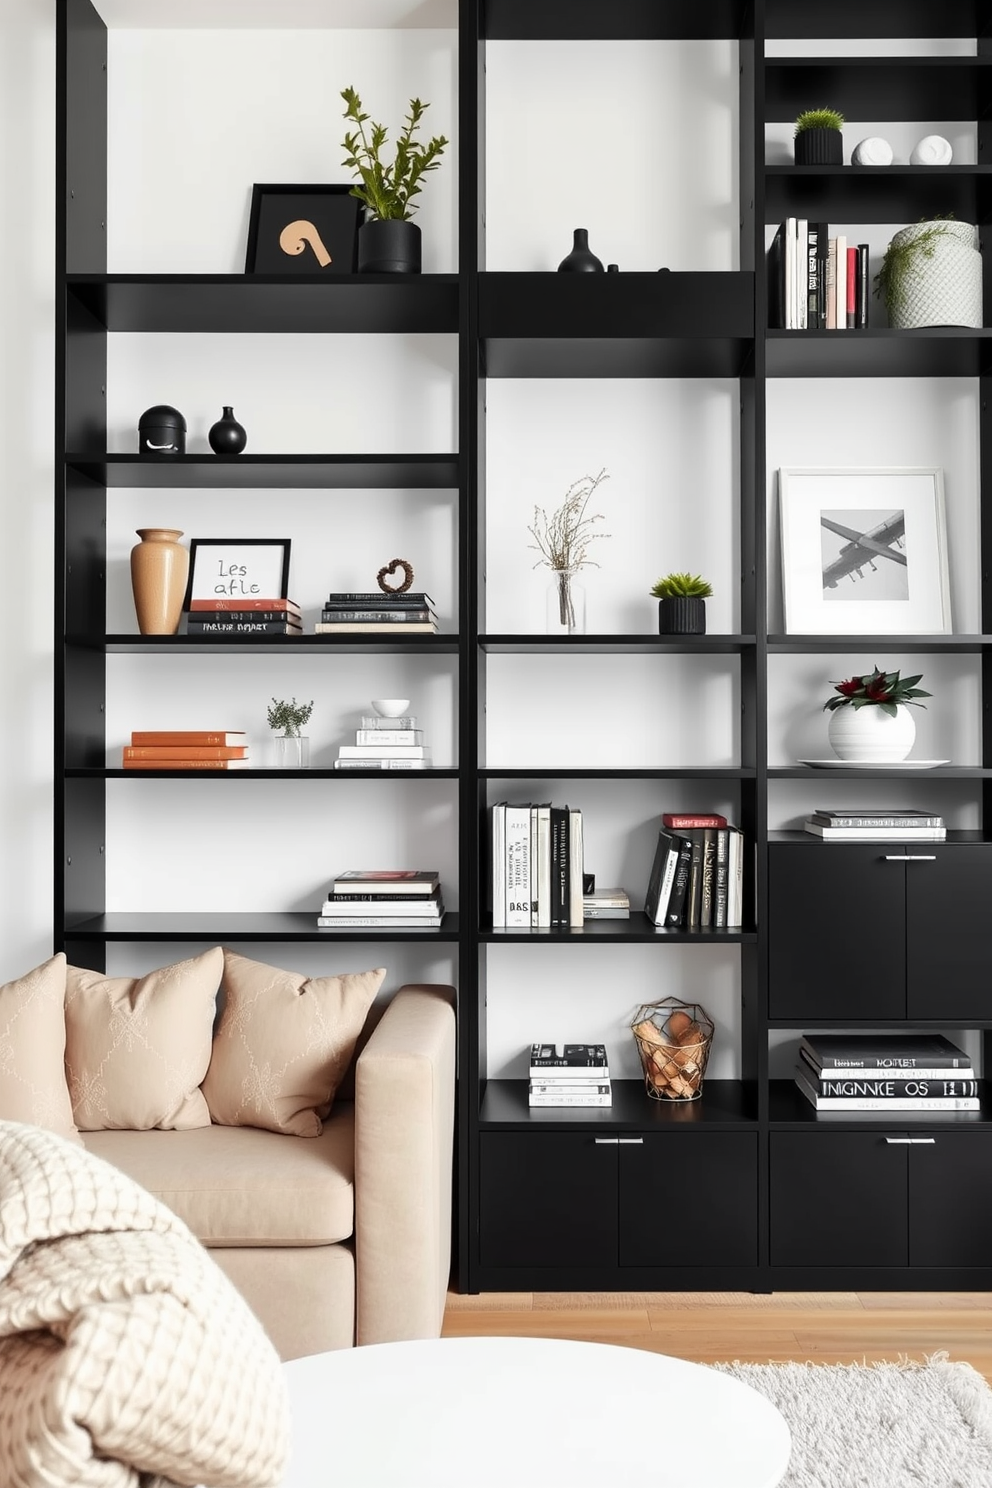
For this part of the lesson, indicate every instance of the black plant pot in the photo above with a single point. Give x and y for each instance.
(819, 147)
(388, 246)
(681, 616)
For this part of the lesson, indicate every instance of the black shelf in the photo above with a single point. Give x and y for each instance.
(892, 193)
(638, 928)
(722, 1103)
(262, 472)
(962, 836)
(137, 645)
(249, 304)
(932, 351)
(881, 19)
(787, 1107)
(623, 20)
(638, 772)
(940, 772)
(800, 644)
(220, 926)
(311, 773)
(719, 645)
(915, 89)
(616, 325)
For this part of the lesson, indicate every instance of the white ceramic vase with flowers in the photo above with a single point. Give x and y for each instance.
(870, 718)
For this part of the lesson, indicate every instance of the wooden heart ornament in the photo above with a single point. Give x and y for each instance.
(389, 570)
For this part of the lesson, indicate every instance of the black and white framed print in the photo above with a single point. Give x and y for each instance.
(248, 568)
(303, 230)
(864, 551)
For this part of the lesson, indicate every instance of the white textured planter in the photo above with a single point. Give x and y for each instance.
(943, 284)
(869, 734)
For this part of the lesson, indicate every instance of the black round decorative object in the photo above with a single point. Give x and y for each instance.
(682, 616)
(581, 260)
(227, 436)
(389, 245)
(161, 431)
(819, 147)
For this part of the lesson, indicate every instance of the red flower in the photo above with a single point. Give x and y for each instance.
(850, 688)
(877, 689)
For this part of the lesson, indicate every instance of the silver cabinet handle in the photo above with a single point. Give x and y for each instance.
(911, 1141)
(607, 1141)
(631, 1141)
(910, 858)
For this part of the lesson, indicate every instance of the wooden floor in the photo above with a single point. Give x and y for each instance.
(825, 1327)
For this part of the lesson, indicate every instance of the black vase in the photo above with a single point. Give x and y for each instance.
(819, 147)
(227, 436)
(389, 245)
(580, 260)
(682, 615)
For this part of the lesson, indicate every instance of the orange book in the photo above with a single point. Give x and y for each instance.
(186, 764)
(170, 737)
(186, 751)
(210, 606)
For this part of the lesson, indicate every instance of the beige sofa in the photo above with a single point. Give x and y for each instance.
(342, 1238)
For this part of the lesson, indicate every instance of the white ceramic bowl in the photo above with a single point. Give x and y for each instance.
(390, 707)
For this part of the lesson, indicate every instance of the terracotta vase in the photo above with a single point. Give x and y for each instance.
(159, 569)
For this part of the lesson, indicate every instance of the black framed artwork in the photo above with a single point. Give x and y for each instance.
(303, 230)
(247, 568)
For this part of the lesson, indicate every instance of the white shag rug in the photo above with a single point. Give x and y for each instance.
(905, 1425)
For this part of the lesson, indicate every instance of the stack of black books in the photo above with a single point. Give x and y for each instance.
(369, 612)
(885, 1073)
(244, 616)
(696, 879)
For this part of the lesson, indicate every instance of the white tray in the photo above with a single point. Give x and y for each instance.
(903, 764)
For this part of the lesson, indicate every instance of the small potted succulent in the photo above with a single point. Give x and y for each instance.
(818, 137)
(388, 242)
(292, 747)
(682, 604)
(870, 717)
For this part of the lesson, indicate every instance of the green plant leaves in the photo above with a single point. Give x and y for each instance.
(388, 190)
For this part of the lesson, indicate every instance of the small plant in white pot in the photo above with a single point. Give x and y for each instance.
(292, 748)
(871, 718)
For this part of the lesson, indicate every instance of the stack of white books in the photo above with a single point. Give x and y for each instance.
(383, 899)
(385, 744)
(569, 1075)
(881, 824)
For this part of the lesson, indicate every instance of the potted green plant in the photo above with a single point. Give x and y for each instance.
(871, 718)
(292, 747)
(682, 604)
(932, 275)
(818, 137)
(388, 242)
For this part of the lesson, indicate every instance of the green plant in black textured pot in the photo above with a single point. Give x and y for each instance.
(388, 242)
(682, 604)
(818, 137)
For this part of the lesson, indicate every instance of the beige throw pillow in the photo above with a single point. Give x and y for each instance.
(283, 1042)
(137, 1048)
(33, 1087)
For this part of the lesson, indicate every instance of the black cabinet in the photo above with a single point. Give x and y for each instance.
(880, 1199)
(890, 897)
(574, 1199)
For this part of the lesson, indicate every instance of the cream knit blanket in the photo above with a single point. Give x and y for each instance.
(127, 1359)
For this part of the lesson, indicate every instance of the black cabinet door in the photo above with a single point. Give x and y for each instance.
(689, 1200)
(837, 1199)
(948, 919)
(830, 906)
(950, 1198)
(547, 1199)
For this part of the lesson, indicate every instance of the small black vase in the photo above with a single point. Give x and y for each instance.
(389, 245)
(581, 260)
(227, 436)
(682, 615)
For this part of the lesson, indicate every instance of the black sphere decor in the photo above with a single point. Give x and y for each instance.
(682, 616)
(819, 147)
(227, 436)
(389, 245)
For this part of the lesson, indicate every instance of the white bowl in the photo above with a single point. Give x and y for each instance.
(390, 707)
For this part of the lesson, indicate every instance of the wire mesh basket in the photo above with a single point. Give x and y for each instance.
(673, 1040)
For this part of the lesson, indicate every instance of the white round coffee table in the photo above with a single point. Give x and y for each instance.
(497, 1412)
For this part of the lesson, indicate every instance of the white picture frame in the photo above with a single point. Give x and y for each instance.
(864, 550)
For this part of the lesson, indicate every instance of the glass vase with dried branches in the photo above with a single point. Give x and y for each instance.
(563, 539)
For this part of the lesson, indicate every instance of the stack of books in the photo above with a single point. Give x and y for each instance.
(696, 879)
(244, 617)
(569, 1075)
(186, 749)
(385, 744)
(397, 614)
(885, 1073)
(606, 904)
(383, 899)
(866, 824)
(816, 282)
(537, 864)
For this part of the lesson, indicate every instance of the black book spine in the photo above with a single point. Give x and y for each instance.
(898, 1062)
(708, 881)
(559, 866)
(776, 280)
(815, 234)
(366, 598)
(680, 885)
(241, 627)
(862, 289)
(720, 877)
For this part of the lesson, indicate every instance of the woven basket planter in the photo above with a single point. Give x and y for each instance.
(942, 284)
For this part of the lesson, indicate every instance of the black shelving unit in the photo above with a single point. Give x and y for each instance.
(555, 1199)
